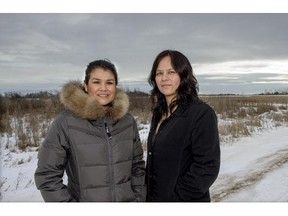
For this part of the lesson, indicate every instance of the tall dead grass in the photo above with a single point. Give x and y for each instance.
(28, 118)
(244, 115)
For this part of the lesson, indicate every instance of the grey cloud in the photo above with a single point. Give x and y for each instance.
(242, 83)
(52, 43)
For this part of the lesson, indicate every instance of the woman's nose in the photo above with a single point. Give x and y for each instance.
(103, 86)
(164, 77)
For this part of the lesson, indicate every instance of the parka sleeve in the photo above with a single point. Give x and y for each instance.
(205, 150)
(51, 163)
(138, 167)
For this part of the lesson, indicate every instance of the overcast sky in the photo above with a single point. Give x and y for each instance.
(230, 53)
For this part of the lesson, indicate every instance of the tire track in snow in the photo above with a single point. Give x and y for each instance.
(244, 179)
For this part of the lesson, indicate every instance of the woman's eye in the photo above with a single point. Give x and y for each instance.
(159, 73)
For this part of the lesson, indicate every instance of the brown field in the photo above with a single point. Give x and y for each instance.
(27, 118)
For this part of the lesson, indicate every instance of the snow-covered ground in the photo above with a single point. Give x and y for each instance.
(253, 169)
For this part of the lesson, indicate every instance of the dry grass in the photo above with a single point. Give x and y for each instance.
(28, 119)
(244, 115)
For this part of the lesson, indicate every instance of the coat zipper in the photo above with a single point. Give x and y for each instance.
(110, 157)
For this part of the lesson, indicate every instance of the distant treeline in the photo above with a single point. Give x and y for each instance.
(49, 94)
(132, 93)
(275, 93)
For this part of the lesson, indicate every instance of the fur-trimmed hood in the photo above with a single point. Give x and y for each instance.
(75, 99)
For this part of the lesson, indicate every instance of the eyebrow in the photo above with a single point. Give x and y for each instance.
(102, 79)
(169, 69)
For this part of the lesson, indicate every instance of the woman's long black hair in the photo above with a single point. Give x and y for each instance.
(187, 90)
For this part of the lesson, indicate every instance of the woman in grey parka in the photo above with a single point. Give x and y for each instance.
(96, 141)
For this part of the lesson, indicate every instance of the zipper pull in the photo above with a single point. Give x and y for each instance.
(107, 131)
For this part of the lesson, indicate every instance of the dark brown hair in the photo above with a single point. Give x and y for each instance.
(187, 90)
(104, 64)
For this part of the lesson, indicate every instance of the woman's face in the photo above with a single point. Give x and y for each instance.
(102, 86)
(167, 79)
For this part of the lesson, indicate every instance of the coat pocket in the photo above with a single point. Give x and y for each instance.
(124, 192)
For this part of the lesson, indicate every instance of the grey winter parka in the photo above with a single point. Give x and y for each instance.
(98, 147)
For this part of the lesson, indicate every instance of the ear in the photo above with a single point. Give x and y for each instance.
(85, 87)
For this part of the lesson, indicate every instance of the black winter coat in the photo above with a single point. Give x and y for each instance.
(184, 156)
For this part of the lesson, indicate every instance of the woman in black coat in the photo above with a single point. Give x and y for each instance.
(183, 144)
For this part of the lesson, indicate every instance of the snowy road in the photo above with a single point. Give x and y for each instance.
(254, 169)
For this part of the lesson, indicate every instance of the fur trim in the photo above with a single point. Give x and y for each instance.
(75, 99)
